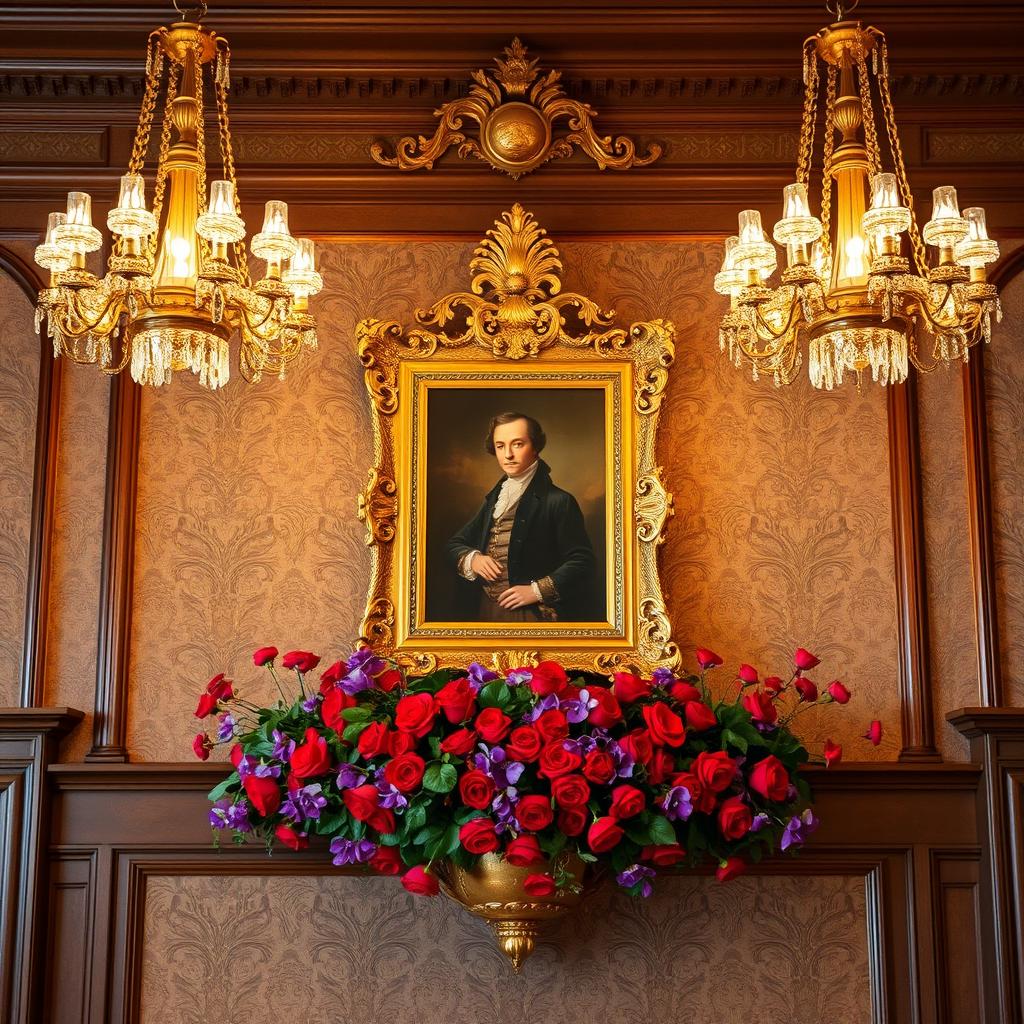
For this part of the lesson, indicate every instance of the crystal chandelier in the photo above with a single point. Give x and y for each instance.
(177, 286)
(847, 288)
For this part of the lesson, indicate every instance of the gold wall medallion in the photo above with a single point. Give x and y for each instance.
(516, 108)
(515, 341)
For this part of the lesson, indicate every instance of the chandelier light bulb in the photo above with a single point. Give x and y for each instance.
(977, 248)
(50, 255)
(221, 224)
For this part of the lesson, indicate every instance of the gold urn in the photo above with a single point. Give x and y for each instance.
(494, 890)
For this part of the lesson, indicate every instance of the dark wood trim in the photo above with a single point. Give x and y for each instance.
(911, 588)
(44, 477)
(117, 565)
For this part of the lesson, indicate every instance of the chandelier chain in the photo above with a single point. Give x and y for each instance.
(803, 170)
(826, 184)
(870, 129)
(204, 245)
(165, 145)
(154, 69)
(221, 86)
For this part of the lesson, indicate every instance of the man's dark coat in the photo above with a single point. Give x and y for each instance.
(548, 539)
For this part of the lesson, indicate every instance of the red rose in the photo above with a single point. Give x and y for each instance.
(220, 687)
(524, 744)
(534, 813)
(839, 693)
(493, 725)
(734, 818)
(570, 791)
(459, 743)
(420, 881)
(804, 660)
(388, 680)
(707, 659)
(627, 802)
(874, 732)
(572, 820)
(703, 799)
(714, 771)
(288, 835)
(663, 856)
(330, 676)
(400, 743)
(457, 700)
(555, 760)
(599, 766)
(833, 753)
(383, 820)
(373, 740)
(661, 765)
(730, 868)
(548, 677)
(638, 745)
(310, 758)
(761, 706)
(478, 836)
(684, 692)
(699, 716)
(553, 725)
(263, 793)
(476, 789)
(773, 684)
(665, 726)
(608, 712)
(202, 745)
(264, 656)
(361, 801)
(604, 834)
(807, 690)
(386, 861)
(770, 778)
(629, 688)
(415, 713)
(405, 772)
(207, 705)
(524, 852)
(332, 706)
(301, 661)
(236, 754)
(748, 674)
(539, 886)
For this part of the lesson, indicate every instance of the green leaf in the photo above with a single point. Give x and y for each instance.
(221, 789)
(415, 818)
(352, 732)
(439, 778)
(495, 694)
(662, 832)
(359, 713)
(445, 843)
(734, 739)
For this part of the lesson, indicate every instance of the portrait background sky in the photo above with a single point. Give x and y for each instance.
(460, 471)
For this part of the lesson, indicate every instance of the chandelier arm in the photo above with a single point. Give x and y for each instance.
(96, 324)
(794, 311)
(826, 181)
(255, 328)
(221, 87)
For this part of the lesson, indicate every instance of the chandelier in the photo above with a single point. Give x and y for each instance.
(178, 285)
(847, 288)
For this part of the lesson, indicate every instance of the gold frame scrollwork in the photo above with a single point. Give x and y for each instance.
(516, 107)
(515, 325)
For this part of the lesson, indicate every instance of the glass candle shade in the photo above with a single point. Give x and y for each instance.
(946, 227)
(885, 218)
(77, 234)
(797, 226)
(130, 218)
(301, 278)
(729, 280)
(754, 251)
(274, 243)
(220, 222)
(51, 255)
(976, 249)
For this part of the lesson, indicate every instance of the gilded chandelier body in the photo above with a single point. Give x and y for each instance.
(177, 286)
(847, 288)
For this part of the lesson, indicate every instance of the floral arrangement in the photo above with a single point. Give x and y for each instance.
(402, 773)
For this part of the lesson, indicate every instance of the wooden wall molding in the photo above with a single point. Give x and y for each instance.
(116, 571)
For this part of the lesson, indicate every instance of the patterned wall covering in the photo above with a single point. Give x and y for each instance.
(348, 949)
(19, 383)
(1005, 392)
(246, 533)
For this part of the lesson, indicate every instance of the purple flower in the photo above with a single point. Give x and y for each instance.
(349, 776)
(662, 676)
(356, 681)
(637, 873)
(225, 814)
(503, 806)
(250, 765)
(676, 805)
(304, 803)
(391, 797)
(577, 710)
(495, 763)
(352, 851)
(283, 746)
(518, 677)
(624, 763)
(548, 703)
(226, 729)
(759, 822)
(311, 703)
(480, 676)
(798, 829)
(365, 659)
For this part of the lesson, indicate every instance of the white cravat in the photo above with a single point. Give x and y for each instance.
(512, 490)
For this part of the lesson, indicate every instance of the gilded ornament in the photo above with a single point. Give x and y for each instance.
(516, 108)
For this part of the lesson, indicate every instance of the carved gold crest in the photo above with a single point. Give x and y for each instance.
(516, 108)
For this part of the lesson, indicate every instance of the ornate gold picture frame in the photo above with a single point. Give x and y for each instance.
(515, 340)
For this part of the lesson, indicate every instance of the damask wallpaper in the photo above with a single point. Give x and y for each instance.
(247, 535)
(771, 950)
(19, 383)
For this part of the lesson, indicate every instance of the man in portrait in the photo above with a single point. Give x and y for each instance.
(525, 556)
